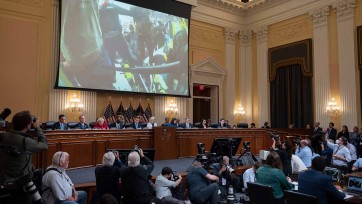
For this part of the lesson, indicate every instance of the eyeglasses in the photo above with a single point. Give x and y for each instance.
(60, 157)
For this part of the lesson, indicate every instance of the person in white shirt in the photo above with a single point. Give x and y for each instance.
(249, 174)
(297, 164)
(151, 124)
(164, 183)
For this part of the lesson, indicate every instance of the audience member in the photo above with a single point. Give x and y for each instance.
(291, 126)
(101, 124)
(354, 136)
(136, 124)
(61, 124)
(164, 182)
(222, 123)
(314, 182)
(331, 131)
(317, 129)
(344, 132)
(266, 125)
(284, 151)
(16, 159)
(226, 175)
(249, 174)
(82, 125)
(199, 189)
(297, 164)
(304, 153)
(151, 124)
(119, 124)
(326, 152)
(252, 125)
(341, 154)
(357, 166)
(187, 124)
(56, 184)
(135, 184)
(307, 127)
(271, 174)
(107, 176)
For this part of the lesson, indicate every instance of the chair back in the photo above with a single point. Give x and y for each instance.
(242, 125)
(260, 194)
(293, 197)
(91, 124)
(143, 125)
(49, 125)
(72, 125)
(127, 125)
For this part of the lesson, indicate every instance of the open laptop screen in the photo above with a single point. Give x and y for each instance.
(354, 184)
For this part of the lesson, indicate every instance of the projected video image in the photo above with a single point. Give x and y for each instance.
(110, 45)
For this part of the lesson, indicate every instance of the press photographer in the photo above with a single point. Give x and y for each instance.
(284, 151)
(165, 183)
(16, 169)
(304, 152)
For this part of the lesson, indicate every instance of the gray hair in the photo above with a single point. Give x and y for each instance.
(59, 157)
(99, 119)
(226, 159)
(133, 159)
(108, 159)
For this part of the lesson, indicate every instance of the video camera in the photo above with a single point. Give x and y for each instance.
(275, 137)
(296, 141)
(175, 176)
(246, 146)
(229, 169)
(207, 160)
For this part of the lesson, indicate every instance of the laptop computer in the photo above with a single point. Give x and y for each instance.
(354, 186)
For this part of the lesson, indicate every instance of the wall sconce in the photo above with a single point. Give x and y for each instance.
(333, 108)
(240, 112)
(74, 105)
(172, 109)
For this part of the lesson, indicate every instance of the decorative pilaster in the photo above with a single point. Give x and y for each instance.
(230, 73)
(262, 75)
(246, 88)
(321, 64)
(347, 64)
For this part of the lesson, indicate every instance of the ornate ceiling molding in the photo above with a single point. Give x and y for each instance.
(320, 15)
(230, 34)
(343, 7)
(245, 36)
(222, 5)
(264, 6)
(261, 33)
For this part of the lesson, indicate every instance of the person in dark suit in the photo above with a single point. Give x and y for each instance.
(266, 125)
(222, 124)
(173, 123)
(61, 124)
(314, 182)
(332, 132)
(82, 125)
(344, 132)
(119, 124)
(187, 124)
(136, 124)
(317, 129)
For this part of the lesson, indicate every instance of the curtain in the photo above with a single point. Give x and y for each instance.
(291, 98)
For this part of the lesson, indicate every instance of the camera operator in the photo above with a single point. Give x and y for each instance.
(200, 191)
(284, 151)
(16, 169)
(226, 176)
(304, 152)
(164, 182)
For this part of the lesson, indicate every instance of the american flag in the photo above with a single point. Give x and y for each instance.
(120, 110)
(129, 113)
(141, 113)
(109, 114)
(148, 112)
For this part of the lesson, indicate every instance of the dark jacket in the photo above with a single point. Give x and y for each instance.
(317, 184)
(183, 125)
(114, 125)
(133, 125)
(332, 133)
(343, 134)
(56, 126)
(79, 126)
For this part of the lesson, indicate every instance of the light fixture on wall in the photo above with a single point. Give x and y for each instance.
(332, 108)
(239, 112)
(74, 104)
(172, 109)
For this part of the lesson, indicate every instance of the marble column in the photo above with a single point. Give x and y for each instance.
(246, 78)
(347, 64)
(262, 76)
(230, 74)
(321, 64)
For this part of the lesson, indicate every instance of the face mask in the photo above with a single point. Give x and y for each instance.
(337, 141)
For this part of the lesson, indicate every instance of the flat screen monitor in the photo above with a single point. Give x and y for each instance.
(225, 146)
(124, 46)
(123, 154)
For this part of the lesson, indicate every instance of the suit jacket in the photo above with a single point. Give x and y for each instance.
(56, 126)
(79, 126)
(315, 183)
(133, 125)
(114, 125)
(332, 133)
(317, 131)
(183, 125)
(222, 126)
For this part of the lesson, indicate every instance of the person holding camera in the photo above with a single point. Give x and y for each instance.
(304, 152)
(164, 182)
(16, 169)
(341, 154)
(284, 151)
(326, 152)
(226, 176)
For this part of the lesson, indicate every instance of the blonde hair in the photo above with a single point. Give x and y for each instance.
(133, 159)
(59, 157)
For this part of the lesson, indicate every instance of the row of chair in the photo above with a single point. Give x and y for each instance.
(262, 194)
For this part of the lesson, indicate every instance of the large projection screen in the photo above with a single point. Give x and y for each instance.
(128, 46)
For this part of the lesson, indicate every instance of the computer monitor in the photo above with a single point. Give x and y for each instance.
(225, 146)
(123, 154)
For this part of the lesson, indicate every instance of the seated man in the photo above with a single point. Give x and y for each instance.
(226, 176)
(314, 182)
(60, 125)
(304, 152)
(187, 124)
(222, 124)
(249, 174)
(357, 166)
(198, 185)
(266, 125)
(119, 123)
(164, 182)
(56, 184)
(136, 124)
(82, 125)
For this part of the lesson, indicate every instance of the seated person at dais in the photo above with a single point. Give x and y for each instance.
(164, 182)
(61, 124)
(56, 184)
(119, 124)
(151, 124)
(82, 125)
(222, 124)
(187, 124)
(136, 124)
(101, 124)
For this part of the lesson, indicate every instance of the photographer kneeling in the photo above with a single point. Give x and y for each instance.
(164, 182)
(226, 176)
(16, 169)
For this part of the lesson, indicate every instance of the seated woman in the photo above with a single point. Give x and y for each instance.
(56, 184)
(101, 124)
(107, 176)
(344, 132)
(203, 124)
(271, 174)
(173, 123)
(151, 124)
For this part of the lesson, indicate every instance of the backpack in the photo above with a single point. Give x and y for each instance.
(40, 178)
